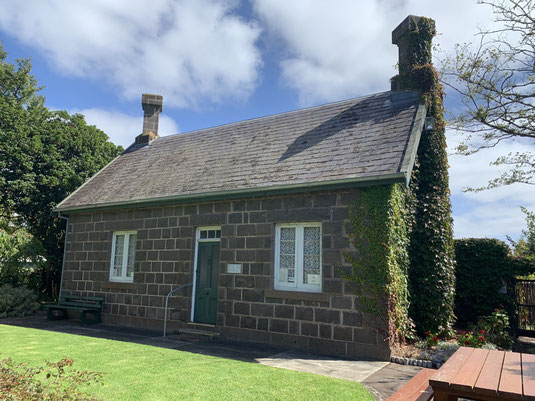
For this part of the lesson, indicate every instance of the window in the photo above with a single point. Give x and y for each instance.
(122, 256)
(298, 257)
(209, 233)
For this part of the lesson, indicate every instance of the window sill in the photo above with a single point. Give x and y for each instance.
(118, 285)
(297, 295)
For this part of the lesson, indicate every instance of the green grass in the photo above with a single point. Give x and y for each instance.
(141, 372)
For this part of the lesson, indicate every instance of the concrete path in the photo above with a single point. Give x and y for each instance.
(381, 378)
(320, 365)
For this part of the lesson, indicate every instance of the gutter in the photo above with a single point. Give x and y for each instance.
(241, 193)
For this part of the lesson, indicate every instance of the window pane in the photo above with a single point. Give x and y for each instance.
(312, 233)
(131, 255)
(311, 256)
(311, 240)
(287, 255)
(287, 234)
(204, 234)
(218, 234)
(118, 256)
(287, 261)
(211, 234)
(287, 247)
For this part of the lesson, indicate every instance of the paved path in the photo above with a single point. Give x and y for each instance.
(381, 378)
(321, 365)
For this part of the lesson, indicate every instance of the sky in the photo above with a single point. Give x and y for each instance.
(217, 62)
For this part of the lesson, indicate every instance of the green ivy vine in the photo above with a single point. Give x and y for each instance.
(379, 232)
(432, 257)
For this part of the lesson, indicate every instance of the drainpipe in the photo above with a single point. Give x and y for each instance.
(64, 252)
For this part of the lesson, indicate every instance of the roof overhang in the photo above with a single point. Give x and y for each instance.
(241, 193)
(407, 163)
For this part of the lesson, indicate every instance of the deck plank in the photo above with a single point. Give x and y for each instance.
(467, 377)
(511, 380)
(443, 377)
(489, 378)
(528, 376)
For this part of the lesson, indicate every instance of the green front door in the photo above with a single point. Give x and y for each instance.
(206, 282)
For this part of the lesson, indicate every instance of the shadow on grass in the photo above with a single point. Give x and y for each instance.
(216, 347)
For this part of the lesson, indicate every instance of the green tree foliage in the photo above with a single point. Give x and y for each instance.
(495, 79)
(525, 247)
(432, 272)
(379, 274)
(20, 254)
(44, 156)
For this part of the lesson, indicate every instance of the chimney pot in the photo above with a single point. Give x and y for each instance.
(152, 107)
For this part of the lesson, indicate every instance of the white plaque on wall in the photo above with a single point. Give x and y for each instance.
(234, 268)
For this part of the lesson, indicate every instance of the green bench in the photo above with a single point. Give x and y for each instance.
(90, 308)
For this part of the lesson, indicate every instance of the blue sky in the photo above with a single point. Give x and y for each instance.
(217, 62)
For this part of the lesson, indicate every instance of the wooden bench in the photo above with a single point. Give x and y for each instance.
(90, 308)
(483, 374)
(416, 389)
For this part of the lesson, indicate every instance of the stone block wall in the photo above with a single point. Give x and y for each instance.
(249, 309)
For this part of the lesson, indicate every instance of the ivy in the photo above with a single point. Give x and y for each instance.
(432, 272)
(380, 234)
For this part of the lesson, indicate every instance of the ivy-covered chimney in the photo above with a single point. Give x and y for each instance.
(413, 38)
(152, 107)
(431, 247)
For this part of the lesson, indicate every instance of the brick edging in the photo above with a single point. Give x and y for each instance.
(415, 362)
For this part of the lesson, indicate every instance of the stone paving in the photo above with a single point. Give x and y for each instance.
(381, 378)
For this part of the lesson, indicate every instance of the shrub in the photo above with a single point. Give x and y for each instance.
(17, 301)
(431, 339)
(54, 381)
(496, 327)
(483, 266)
(471, 339)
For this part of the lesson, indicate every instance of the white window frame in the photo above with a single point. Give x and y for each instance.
(298, 285)
(124, 278)
(208, 228)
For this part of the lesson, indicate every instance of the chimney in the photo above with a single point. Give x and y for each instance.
(152, 106)
(414, 40)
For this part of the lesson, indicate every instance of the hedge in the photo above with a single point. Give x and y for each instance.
(483, 266)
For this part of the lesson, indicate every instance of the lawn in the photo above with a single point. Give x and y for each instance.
(141, 372)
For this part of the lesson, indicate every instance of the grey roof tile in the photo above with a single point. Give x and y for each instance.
(355, 138)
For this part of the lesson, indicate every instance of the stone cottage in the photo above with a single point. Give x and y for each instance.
(252, 214)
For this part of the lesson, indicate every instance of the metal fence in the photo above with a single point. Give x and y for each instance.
(525, 301)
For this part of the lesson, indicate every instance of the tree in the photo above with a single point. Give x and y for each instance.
(525, 246)
(20, 254)
(495, 80)
(44, 156)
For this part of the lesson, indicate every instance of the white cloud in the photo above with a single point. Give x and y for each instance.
(190, 51)
(492, 213)
(343, 49)
(123, 128)
(490, 220)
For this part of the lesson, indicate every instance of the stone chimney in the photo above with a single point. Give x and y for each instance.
(414, 40)
(152, 106)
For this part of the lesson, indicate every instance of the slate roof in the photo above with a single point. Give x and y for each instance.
(351, 141)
